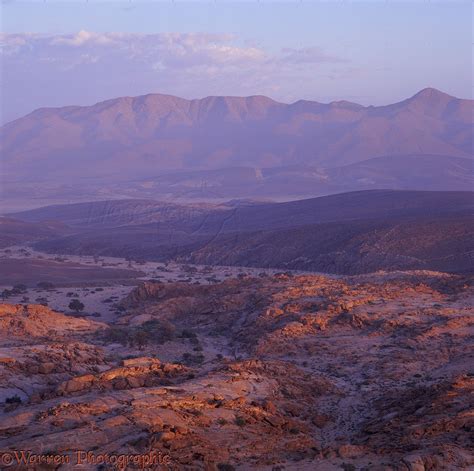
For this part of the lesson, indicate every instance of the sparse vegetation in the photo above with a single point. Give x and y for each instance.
(19, 289)
(76, 305)
(348, 467)
(189, 359)
(225, 467)
(45, 285)
(150, 332)
(240, 421)
(13, 399)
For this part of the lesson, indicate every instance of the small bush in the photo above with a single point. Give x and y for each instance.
(188, 334)
(348, 467)
(150, 332)
(19, 288)
(225, 467)
(13, 400)
(45, 285)
(76, 305)
(240, 421)
(189, 359)
(117, 335)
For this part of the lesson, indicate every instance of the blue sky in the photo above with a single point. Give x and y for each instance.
(367, 52)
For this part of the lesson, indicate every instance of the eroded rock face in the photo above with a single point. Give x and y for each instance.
(282, 372)
(135, 373)
(34, 320)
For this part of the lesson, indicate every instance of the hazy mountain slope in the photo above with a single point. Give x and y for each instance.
(410, 172)
(230, 218)
(154, 133)
(117, 213)
(14, 231)
(444, 244)
(347, 207)
(407, 172)
(346, 233)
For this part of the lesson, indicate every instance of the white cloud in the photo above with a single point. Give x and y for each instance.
(81, 68)
(170, 50)
(307, 55)
(83, 37)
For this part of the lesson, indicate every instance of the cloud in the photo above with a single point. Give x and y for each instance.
(85, 67)
(172, 49)
(83, 37)
(164, 50)
(307, 55)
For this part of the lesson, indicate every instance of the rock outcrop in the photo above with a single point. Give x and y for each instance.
(280, 372)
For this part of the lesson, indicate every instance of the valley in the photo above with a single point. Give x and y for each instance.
(347, 233)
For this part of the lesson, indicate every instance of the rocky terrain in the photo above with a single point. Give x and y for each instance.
(271, 372)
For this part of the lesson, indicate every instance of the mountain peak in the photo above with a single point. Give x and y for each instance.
(430, 94)
(344, 104)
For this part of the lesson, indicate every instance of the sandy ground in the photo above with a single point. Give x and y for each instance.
(99, 297)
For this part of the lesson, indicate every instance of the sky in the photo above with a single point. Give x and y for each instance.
(375, 52)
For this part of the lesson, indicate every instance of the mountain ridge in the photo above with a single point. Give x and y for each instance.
(159, 133)
(421, 95)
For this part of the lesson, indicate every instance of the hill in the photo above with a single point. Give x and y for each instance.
(344, 233)
(13, 231)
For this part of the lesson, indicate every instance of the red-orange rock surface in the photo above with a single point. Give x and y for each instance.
(285, 372)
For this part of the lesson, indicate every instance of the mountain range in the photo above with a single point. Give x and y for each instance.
(150, 135)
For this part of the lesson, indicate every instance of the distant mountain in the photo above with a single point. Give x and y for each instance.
(235, 217)
(115, 213)
(407, 172)
(345, 233)
(136, 137)
(14, 231)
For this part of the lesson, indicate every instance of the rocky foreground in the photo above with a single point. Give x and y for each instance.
(270, 373)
